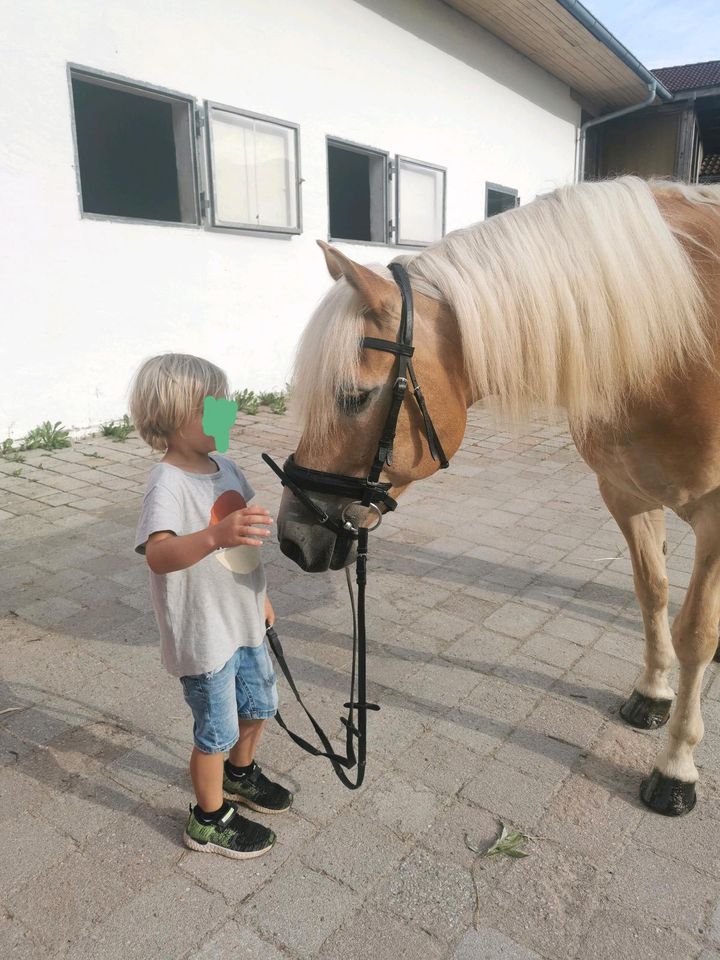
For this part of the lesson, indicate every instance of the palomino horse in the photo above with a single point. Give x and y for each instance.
(601, 298)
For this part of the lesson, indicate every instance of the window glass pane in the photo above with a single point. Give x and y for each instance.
(498, 201)
(135, 153)
(357, 191)
(254, 171)
(421, 201)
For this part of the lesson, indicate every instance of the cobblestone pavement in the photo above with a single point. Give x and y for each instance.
(504, 636)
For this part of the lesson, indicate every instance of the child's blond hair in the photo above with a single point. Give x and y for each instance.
(168, 390)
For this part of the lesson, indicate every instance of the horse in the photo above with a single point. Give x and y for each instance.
(601, 299)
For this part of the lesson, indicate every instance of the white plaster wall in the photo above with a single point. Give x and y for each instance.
(84, 301)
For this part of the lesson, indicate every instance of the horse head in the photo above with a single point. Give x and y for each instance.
(344, 392)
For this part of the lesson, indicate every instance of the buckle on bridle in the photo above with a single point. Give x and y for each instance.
(350, 526)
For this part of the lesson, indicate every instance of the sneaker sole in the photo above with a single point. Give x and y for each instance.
(255, 806)
(224, 851)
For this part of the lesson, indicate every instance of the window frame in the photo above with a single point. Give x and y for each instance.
(366, 150)
(211, 199)
(76, 71)
(498, 188)
(430, 166)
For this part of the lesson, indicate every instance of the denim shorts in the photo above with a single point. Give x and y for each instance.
(244, 688)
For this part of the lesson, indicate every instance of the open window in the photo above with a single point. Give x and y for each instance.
(135, 150)
(499, 199)
(358, 189)
(420, 202)
(253, 164)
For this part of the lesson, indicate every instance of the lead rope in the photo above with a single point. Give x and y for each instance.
(352, 732)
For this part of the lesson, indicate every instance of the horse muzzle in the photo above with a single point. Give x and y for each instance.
(314, 548)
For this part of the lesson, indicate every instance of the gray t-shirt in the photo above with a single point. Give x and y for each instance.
(206, 611)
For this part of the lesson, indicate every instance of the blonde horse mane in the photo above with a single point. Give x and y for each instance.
(577, 300)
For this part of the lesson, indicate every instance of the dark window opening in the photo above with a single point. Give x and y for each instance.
(357, 194)
(134, 153)
(498, 201)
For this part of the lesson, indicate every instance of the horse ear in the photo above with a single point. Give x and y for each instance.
(377, 292)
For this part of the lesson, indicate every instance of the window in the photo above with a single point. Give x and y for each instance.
(135, 150)
(420, 203)
(358, 187)
(253, 161)
(499, 199)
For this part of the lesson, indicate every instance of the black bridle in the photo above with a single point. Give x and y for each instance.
(373, 494)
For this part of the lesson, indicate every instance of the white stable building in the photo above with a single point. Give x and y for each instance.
(165, 168)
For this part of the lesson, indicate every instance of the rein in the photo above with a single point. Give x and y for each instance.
(373, 494)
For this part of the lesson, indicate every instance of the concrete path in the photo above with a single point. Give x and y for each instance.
(504, 635)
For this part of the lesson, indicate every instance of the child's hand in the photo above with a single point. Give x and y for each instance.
(245, 527)
(269, 613)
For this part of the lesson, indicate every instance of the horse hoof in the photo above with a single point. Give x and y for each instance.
(645, 712)
(666, 795)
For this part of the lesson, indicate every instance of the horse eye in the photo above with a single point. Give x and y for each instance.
(352, 403)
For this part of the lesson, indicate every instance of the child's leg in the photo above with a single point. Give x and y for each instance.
(243, 753)
(256, 694)
(206, 773)
(211, 697)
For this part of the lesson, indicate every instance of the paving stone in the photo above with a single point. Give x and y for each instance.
(41, 847)
(587, 817)
(406, 807)
(438, 686)
(661, 889)
(695, 841)
(372, 933)
(565, 720)
(614, 935)
(18, 942)
(538, 755)
(442, 764)
(569, 628)
(489, 944)
(49, 612)
(354, 851)
(482, 650)
(511, 795)
(234, 942)
(319, 795)
(515, 620)
(556, 889)
(165, 918)
(432, 893)
(553, 650)
(457, 825)
(300, 908)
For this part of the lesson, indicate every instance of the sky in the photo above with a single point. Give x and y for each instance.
(663, 33)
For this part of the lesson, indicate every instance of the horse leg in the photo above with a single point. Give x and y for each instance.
(643, 526)
(670, 789)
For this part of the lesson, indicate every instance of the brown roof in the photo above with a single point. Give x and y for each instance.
(690, 76)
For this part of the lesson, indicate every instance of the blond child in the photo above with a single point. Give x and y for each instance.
(201, 541)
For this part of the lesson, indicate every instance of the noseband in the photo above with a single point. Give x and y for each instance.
(369, 491)
(373, 494)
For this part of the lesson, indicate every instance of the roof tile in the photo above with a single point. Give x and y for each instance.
(690, 76)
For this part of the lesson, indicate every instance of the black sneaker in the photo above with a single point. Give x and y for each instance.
(232, 836)
(256, 791)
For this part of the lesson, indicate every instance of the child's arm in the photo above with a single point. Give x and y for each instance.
(165, 552)
(269, 612)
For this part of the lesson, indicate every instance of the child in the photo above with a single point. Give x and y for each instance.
(201, 540)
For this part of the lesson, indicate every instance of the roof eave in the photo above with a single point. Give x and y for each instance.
(601, 33)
